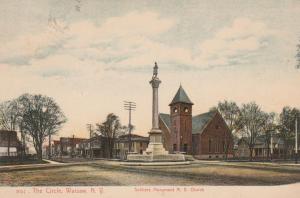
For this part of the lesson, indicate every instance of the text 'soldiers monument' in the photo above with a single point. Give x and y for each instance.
(155, 150)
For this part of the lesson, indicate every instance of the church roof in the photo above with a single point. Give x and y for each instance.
(199, 122)
(166, 119)
(181, 96)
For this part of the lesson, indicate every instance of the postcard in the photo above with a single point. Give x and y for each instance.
(129, 98)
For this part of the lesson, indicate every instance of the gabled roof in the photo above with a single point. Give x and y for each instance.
(166, 119)
(276, 139)
(181, 96)
(134, 137)
(12, 135)
(200, 121)
(260, 140)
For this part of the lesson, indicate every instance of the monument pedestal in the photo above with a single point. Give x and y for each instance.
(155, 146)
(155, 151)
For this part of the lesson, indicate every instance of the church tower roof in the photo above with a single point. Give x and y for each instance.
(181, 97)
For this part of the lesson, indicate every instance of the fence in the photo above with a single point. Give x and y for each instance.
(14, 154)
(17, 158)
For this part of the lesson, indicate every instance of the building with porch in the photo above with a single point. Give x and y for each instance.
(9, 143)
(262, 148)
(138, 145)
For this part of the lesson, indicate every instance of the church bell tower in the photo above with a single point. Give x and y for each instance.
(181, 122)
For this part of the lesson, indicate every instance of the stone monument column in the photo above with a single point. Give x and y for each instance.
(155, 144)
(155, 84)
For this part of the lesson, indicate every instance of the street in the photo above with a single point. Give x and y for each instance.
(108, 173)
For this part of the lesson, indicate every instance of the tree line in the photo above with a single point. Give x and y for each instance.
(250, 122)
(36, 116)
(39, 117)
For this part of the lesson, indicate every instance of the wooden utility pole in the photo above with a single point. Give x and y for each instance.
(73, 146)
(296, 141)
(129, 106)
(90, 140)
(271, 145)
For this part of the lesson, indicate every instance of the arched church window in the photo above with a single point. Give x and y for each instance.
(186, 110)
(175, 110)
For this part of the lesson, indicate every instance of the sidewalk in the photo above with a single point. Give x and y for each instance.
(245, 163)
(52, 162)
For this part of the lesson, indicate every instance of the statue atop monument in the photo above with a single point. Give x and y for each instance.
(155, 70)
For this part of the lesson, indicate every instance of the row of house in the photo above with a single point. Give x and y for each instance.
(96, 147)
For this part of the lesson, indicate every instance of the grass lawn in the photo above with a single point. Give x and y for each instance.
(112, 174)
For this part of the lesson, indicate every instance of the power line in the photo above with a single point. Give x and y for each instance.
(129, 106)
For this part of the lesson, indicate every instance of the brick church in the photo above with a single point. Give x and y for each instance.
(203, 136)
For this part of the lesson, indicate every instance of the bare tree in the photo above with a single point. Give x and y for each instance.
(230, 113)
(252, 120)
(110, 129)
(268, 128)
(9, 115)
(41, 117)
(287, 126)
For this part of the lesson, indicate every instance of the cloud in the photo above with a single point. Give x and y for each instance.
(113, 44)
(131, 42)
(29, 46)
(234, 44)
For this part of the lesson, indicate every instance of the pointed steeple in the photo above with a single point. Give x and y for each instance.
(181, 97)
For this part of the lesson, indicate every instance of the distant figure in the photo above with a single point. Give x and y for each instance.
(155, 70)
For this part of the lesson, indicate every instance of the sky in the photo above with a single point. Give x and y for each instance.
(90, 56)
